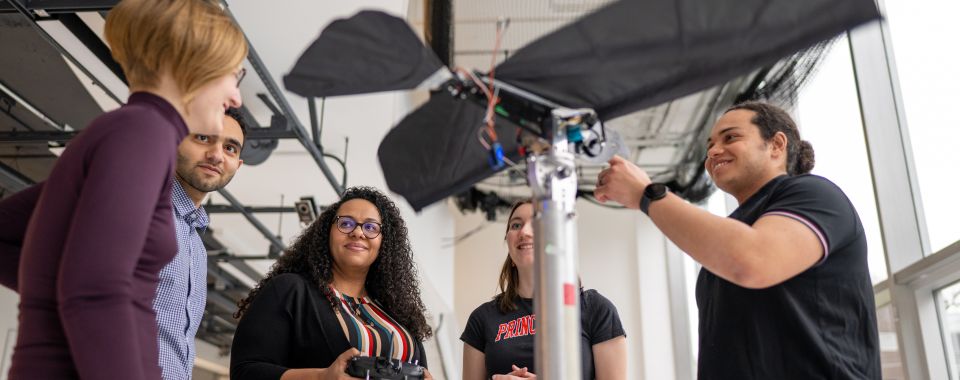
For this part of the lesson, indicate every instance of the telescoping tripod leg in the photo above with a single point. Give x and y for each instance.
(552, 177)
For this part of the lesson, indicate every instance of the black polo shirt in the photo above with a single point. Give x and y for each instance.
(820, 324)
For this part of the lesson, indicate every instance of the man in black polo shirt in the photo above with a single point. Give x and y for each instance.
(785, 291)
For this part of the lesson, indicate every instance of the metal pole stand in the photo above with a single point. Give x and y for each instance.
(551, 174)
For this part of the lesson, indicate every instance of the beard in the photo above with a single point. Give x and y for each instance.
(191, 175)
(206, 185)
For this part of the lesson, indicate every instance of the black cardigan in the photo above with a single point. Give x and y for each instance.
(290, 324)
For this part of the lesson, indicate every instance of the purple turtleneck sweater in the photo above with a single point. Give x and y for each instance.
(100, 232)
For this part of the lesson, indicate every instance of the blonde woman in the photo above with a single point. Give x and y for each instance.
(101, 227)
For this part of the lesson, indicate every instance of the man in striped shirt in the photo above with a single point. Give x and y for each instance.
(205, 163)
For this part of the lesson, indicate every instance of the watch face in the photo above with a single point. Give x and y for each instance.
(655, 191)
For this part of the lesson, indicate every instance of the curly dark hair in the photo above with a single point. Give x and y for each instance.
(771, 119)
(392, 280)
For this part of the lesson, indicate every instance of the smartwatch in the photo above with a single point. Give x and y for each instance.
(653, 192)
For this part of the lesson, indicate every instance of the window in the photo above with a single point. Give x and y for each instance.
(924, 38)
(828, 114)
(948, 308)
(890, 360)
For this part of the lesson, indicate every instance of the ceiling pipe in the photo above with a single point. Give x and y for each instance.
(292, 121)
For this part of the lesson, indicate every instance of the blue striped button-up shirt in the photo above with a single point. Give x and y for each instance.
(182, 293)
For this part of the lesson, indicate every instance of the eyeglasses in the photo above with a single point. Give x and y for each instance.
(240, 74)
(347, 225)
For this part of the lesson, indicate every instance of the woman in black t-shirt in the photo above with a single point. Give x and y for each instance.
(499, 335)
(346, 287)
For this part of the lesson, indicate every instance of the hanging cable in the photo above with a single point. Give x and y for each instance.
(496, 156)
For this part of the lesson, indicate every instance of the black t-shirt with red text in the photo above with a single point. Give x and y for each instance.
(507, 338)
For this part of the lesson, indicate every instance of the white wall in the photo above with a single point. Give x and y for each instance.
(364, 120)
(8, 328)
(654, 317)
(622, 255)
(609, 256)
(477, 261)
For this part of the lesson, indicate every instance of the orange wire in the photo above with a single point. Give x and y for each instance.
(492, 100)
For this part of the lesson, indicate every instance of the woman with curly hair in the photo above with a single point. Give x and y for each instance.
(348, 286)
